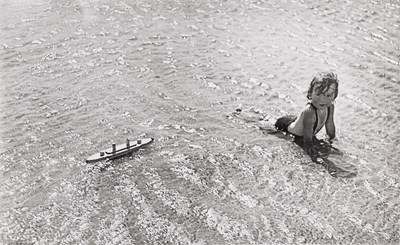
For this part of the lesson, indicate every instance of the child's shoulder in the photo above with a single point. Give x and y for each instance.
(309, 111)
(308, 108)
(311, 108)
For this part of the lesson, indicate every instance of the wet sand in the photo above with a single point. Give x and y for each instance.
(77, 76)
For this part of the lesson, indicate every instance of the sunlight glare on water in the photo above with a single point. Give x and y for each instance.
(201, 77)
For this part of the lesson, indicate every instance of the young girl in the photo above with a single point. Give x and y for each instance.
(319, 112)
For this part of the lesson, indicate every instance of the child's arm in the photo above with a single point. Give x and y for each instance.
(308, 128)
(330, 124)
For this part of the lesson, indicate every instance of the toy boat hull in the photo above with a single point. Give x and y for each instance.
(118, 151)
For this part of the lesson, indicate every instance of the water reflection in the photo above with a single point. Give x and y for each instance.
(79, 75)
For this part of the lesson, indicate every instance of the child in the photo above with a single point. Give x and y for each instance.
(319, 112)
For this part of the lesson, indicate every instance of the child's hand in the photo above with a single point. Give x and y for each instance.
(329, 139)
(311, 149)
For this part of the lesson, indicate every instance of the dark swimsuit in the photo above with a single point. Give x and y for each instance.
(284, 122)
(316, 116)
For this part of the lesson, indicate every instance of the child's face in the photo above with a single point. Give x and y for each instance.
(322, 100)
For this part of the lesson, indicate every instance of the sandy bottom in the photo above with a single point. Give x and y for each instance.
(77, 76)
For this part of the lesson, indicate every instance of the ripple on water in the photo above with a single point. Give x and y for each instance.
(80, 75)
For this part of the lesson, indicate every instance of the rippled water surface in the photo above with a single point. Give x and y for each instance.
(77, 76)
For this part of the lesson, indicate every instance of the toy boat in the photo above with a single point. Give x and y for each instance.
(117, 151)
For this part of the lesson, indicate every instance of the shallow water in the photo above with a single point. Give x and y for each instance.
(80, 75)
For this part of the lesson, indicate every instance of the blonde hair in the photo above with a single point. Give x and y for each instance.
(323, 81)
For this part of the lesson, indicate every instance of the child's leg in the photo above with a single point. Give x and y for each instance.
(284, 122)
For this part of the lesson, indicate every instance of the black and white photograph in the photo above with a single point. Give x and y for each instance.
(200, 122)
